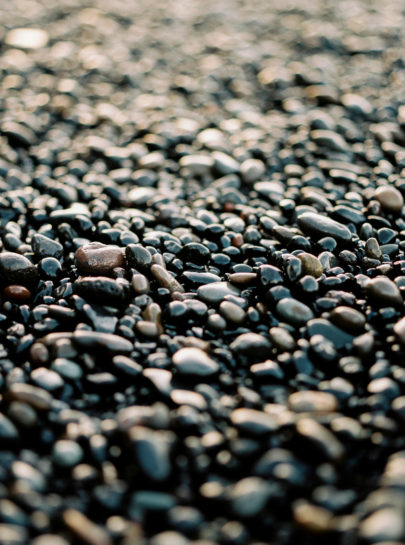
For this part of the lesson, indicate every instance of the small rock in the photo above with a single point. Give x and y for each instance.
(390, 198)
(194, 362)
(98, 259)
(27, 38)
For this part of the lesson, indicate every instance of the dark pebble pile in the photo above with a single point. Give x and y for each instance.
(202, 257)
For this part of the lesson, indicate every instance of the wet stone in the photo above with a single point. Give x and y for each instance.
(251, 345)
(98, 259)
(194, 362)
(322, 226)
(17, 269)
(45, 247)
(293, 311)
(383, 292)
(100, 288)
(253, 422)
(215, 292)
(311, 264)
(348, 319)
(17, 293)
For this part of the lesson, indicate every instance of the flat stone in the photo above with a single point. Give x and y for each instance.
(310, 264)
(312, 401)
(251, 345)
(94, 340)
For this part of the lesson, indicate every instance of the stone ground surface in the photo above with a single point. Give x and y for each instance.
(202, 227)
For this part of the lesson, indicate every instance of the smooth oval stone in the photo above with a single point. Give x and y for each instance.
(312, 401)
(67, 453)
(390, 198)
(32, 395)
(17, 293)
(322, 226)
(311, 264)
(22, 414)
(253, 422)
(252, 170)
(232, 312)
(16, 268)
(338, 337)
(251, 345)
(249, 496)
(293, 311)
(98, 259)
(100, 288)
(46, 379)
(348, 318)
(193, 361)
(90, 340)
(46, 247)
(383, 292)
(140, 284)
(373, 249)
(216, 291)
(330, 139)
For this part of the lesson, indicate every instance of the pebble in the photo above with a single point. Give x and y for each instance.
(322, 226)
(348, 318)
(17, 293)
(98, 259)
(335, 335)
(165, 279)
(100, 288)
(312, 401)
(253, 422)
(311, 264)
(93, 340)
(251, 345)
(383, 292)
(390, 198)
(86, 530)
(27, 38)
(293, 311)
(66, 453)
(215, 292)
(45, 247)
(194, 362)
(17, 269)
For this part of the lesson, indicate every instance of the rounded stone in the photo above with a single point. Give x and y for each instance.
(348, 318)
(390, 198)
(321, 226)
(193, 361)
(16, 268)
(293, 311)
(16, 293)
(67, 453)
(98, 259)
(310, 264)
(383, 292)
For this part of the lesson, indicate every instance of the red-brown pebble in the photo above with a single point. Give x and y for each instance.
(17, 293)
(98, 259)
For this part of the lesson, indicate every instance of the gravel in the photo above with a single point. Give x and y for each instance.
(202, 258)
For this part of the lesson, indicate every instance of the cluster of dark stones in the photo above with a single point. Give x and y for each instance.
(202, 257)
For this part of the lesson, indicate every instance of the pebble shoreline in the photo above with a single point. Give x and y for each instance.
(202, 257)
